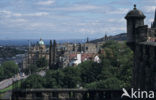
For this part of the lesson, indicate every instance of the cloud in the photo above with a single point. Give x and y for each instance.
(81, 8)
(73, 17)
(114, 20)
(19, 20)
(36, 14)
(49, 2)
(89, 8)
(6, 13)
(76, 7)
(119, 11)
(149, 9)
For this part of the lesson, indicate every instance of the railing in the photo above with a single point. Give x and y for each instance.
(67, 94)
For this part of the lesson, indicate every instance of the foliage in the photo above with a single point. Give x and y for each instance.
(54, 79)
(71, 78)
(30, 69)
(1, 73)
(42, 62)
(6, 52)
(110, 83)
(13, 86)
(120, 63)
(65, 78)
(8, 69)
(89, 71)
(33, 81)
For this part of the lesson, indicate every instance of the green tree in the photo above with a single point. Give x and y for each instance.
(9, 69)
(30, 69)
(71, 78)
(42, 62)
(9, 52)
(33, 81)
(120, 62)
(54, 79)
(110, 83)
(1, 73)
(89, 71)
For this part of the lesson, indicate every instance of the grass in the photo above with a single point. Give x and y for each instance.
(13, 86)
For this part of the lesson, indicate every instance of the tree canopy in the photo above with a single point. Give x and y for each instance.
(8, 69)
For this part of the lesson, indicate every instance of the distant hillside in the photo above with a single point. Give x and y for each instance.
(119, 37)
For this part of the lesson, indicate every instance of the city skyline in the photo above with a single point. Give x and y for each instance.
(67, 19)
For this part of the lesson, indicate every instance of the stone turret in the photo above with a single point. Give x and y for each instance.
(135, 18)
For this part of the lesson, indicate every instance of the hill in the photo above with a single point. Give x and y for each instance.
(118, 37)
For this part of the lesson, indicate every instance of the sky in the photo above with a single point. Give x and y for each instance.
(67, 19)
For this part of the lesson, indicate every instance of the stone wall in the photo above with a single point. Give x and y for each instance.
(67, 94)
(144, 70)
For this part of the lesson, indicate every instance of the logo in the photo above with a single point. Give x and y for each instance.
(137, 94)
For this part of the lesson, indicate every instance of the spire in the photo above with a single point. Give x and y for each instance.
(105, 38)
(134, 6)
(87, 40)
(151, 24)
(155, 16)
(154, 22)
(50, 54)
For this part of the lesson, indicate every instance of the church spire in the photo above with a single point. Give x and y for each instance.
(155, 16)
(154, 22)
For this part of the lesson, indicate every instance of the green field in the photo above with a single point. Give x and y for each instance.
(13, 86)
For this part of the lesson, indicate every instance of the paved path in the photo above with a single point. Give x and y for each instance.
(7, 82)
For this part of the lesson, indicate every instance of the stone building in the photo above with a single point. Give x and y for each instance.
(90, 48)
(36, 52)
(140, 39)
(58, 55)
(74, 49)
(79, 47)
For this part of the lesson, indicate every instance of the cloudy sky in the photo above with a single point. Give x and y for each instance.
(67, 19)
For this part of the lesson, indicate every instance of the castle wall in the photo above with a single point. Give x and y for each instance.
(144, 70)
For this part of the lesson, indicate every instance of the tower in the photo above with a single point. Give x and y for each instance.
(106, 37)
(154, 23)
(53, 61)
(50, 53)
(54, 52)
(87, 40)
(135, 18)
(136, 35)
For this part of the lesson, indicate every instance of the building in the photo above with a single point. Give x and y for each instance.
(141, 40)
(59, 55)
(54, 61)
(78, 58)
(36, 52)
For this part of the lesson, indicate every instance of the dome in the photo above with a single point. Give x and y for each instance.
(41, 42)
(135, 13)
